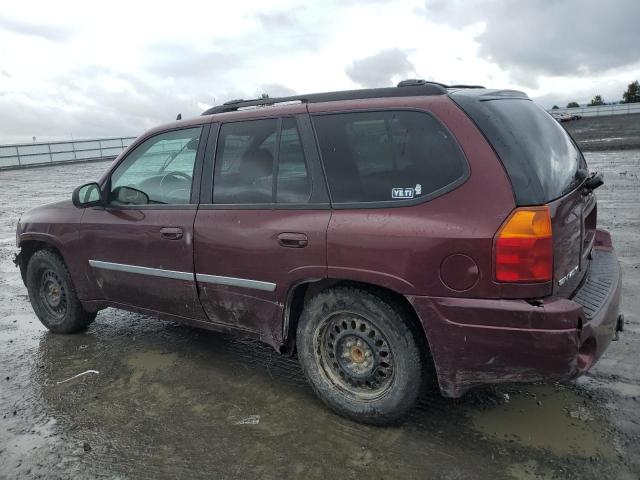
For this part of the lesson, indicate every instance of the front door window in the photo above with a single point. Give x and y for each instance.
(161, 168)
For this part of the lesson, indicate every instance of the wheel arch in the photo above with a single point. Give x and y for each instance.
(300, 292)
(31, 245)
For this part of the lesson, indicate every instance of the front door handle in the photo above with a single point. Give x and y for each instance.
(293, 240)
(171, 233)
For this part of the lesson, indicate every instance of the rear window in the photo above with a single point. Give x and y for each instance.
(538, 154)
(387, 156)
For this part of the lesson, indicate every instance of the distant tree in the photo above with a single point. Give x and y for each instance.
(597, 100)
(555, 107)
(572, 105)
(632, 95)
(264, 95)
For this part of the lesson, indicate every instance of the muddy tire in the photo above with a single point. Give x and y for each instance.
(53, 295)
(360, 355)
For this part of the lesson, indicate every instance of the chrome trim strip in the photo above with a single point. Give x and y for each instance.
(236, 282)
(156, 272)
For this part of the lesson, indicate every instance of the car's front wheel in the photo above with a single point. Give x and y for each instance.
(360, 355)
(53, 295)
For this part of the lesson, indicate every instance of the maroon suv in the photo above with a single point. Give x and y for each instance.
(392, 237)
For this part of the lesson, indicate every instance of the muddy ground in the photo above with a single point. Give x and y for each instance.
(612, 132)
(175, 402)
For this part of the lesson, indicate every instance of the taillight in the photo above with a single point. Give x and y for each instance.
(524, 246)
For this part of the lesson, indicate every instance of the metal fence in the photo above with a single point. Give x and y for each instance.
(602, 110)
(32, 154)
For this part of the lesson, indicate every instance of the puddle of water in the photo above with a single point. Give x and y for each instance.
(549, 425)
(151, 361)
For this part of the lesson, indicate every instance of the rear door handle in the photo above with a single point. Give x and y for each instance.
(293, 240)
(171, 233)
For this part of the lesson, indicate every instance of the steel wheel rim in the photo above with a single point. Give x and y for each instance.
(53, 295)
(355, 356)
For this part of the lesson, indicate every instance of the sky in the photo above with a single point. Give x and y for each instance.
(93, 69)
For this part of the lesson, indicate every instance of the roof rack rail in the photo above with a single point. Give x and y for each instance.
(412, 82)
(408, 90)
(418, 81)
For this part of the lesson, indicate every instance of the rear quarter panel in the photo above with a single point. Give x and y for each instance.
(402, 248)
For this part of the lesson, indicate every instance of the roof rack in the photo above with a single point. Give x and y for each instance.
(407, 88)
(466, 86)
(418, 81)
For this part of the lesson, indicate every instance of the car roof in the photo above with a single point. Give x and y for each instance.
(245, 109)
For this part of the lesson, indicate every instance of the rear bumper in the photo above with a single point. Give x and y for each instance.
(480, 341)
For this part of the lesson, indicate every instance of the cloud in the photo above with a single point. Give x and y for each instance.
(276, 20)
(92, 102)
(381, 69)
(539, 37)
(611, 90)
(53, 33)
(275, 90)
(184, 61)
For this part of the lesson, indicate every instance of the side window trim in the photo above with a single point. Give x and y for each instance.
(466, 173)
(195, 181)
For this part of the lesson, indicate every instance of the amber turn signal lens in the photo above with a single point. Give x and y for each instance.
(524, 247)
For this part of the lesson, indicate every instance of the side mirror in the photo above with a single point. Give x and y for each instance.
(594, 181)
(129, 196)
(87, 195)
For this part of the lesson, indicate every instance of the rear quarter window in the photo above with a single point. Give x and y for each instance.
(538, 154)
(387, 156)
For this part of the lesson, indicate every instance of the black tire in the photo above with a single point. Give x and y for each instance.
(375, 375)
(53, 295)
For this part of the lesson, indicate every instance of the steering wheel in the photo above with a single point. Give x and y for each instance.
(177, 175)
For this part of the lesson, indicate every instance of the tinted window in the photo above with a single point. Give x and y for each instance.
(386, 156)
(293, 179)
(538, 154)
(246, 161)
(161, 167)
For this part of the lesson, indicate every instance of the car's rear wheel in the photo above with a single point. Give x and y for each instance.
(53, 295)
(360, 355)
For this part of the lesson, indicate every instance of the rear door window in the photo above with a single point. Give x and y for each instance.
(251, 155)
(293, 185)
(387, 156)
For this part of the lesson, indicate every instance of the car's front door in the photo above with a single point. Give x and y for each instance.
(140, 247)
(264, 228)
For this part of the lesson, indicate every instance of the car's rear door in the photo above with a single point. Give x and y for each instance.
(141, 255)
(261, 226)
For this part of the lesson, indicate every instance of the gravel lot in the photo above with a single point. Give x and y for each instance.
(613, 132)
(175, 402)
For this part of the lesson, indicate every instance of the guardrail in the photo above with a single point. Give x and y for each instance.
(601, 110)
(34, 154)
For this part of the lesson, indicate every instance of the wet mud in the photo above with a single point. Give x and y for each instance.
(170, 401)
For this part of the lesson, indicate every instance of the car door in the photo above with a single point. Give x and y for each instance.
(140, 247)
(263, 228)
